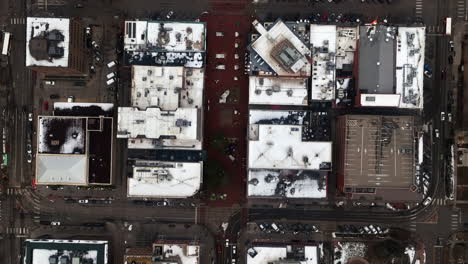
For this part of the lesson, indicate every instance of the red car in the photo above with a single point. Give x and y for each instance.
(33, 184)
(46, 105)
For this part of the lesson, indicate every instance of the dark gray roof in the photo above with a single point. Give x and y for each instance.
(376, 60)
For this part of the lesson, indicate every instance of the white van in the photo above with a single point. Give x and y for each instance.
(220, 55)
(110, 81)
(111, 64)
(220, 67)
(111, 75)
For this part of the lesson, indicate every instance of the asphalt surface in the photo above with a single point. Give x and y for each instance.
(23, 208)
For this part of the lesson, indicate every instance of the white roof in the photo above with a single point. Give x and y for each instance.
(165, 179)
(149, 143)
(269, 254)
(257, 115)
(41, 256)
(382, 100)
(164, 36)
(167, 87)
(268, 41)
(188, 256)
(153, 123)
(61, 169)
(37, 26)
(281, 147)
(410, 66)
(296, 188)
(323, 45)
(277, 91)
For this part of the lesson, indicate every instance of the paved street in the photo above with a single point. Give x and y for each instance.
(23, 210)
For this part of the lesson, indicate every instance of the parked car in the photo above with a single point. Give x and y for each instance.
(169, 14)
(442, 116)
(83, 201)
(110, 75)
(28, 148)
(449, 117)
(55, 223)
(71, 99)
(436, 133)
(49, 82)
(29, 157)
(111, 64)
(110, 81)
(427, 201)
(450, 59)
(30, 117)
(451, 46)
(54, 96)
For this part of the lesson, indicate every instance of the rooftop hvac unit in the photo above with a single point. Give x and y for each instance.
(269, 91)
(261, 81)
(276, 88)
(289, 92)
(258, 91)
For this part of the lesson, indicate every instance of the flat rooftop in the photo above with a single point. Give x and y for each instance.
(61, 135)
(286, 184)
(165, 179)
(323, 45)
(277, 91)
(282, 147)
(155, 123)
(40, 251)
(166, 252)
(167, 87)
(380, 151)
(282, 50)
(74, 150)
(47, 41)
(164, 36)
(83, 109)
(410, 66)
(377, 45)
(346, 46)
(271, 254)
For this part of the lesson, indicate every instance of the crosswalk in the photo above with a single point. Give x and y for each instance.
(440, 201)
(412, 227)
(18, 231)
(419, 8)
(18, 20)
(455, 221)
(461, 11)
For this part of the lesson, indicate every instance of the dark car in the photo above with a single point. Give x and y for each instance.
(450, 59)
(54, 96)
(45, 105)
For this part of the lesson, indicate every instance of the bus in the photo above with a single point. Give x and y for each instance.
(448, 26)
(6, 43)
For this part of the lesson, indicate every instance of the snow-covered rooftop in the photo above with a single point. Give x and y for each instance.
(270, 254)
(277, 91)
(167, 87)
(165, 179)
(186, 254)
(287, 183)
(47, 41)
(282, 50)
(154, 123)
(61, 169)
(164, 36)
(344, 251)
(281, 147)
(72, 251)
(323, 45)
(410, 66)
